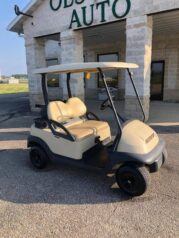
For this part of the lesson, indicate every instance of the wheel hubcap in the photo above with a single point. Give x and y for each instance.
(129, 183)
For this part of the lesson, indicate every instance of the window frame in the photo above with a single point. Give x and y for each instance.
(103, 54)
(48, 60)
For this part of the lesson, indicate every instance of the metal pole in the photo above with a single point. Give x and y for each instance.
(68, 85)
(44, 89)
(136, 92)
(111, 100)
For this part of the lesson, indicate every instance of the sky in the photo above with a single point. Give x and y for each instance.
(12, 50)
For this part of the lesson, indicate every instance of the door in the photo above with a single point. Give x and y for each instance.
(157, 80)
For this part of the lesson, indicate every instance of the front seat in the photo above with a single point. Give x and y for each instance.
(60, 112)
(100, 129)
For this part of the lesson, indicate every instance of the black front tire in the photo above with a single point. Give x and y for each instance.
(38, 157)
(133, 180)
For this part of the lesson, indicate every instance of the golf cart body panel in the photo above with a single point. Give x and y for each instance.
(153, 160)
(99, 157)
(95, 157)
(63, 146)
(137, 138)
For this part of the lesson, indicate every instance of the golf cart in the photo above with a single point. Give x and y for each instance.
(66, 130)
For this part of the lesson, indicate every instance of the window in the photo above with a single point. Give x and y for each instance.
(53, 79)
(111, 76)
(157, 80)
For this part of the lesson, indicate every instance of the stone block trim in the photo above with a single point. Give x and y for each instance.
(139, 51)
(36, 98)
(35, 58)
(72, 52)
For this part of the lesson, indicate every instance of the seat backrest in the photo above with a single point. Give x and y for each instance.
(77, 107)
(62, 112)
(59, 111)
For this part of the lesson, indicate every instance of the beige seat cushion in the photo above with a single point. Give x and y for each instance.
(76, 106)
(58, 111)
(77, 131)
(73, 122)
(69, 114)
(80, 133)
(98, 128)
(84, 129)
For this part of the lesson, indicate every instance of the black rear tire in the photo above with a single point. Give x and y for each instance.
(133, 180)
(38, 157)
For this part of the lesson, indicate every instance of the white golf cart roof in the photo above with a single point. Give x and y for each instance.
(85, 67)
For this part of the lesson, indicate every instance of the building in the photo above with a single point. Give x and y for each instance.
(13, 80)
(141, 31)
(9, 80)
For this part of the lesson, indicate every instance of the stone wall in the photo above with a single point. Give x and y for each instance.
(167, 48)
(72, 52)
(139, 50)
(164, 48)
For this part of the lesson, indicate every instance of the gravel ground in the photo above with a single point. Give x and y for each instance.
(65, 201)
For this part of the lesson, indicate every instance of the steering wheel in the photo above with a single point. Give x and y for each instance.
(105, 104)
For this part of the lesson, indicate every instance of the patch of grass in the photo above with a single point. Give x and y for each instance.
(13, 88)
(23, 81)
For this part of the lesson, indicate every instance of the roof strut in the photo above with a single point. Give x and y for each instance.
(68, 85)
(111, 100)
(44, 89)
(137, 95)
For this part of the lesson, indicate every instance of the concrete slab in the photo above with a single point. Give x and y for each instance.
(164, 113)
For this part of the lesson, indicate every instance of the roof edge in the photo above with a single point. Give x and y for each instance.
(91, 67)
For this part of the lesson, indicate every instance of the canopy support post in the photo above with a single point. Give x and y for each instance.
(137, 95)
(44, 89)
(68, 85)
(112, 106)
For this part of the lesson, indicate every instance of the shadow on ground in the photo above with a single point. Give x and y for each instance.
(166, 129)
(9, 136)
(61, 184)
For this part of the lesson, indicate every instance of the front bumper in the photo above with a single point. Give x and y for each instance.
(156, 158)
(158, 162)
(153, 160)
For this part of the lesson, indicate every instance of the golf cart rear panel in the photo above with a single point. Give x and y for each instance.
(62, 146)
